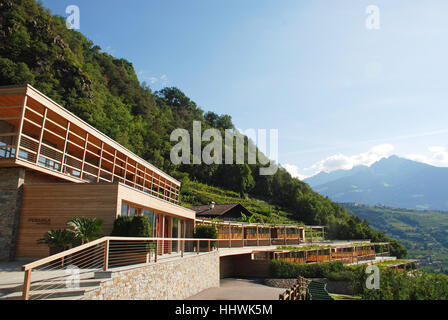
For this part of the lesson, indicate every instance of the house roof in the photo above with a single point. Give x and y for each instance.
(218, 210)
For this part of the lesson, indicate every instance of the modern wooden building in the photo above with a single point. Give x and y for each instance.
(54, 167)
(227, 219)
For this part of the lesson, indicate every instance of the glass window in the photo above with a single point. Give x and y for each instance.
(132, 211)
(124, 209)
(149, 214)
(151, 217)
(175, 228)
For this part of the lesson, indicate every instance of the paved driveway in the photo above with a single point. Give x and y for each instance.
(239, 289)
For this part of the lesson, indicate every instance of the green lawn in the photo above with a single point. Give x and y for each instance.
(344, 297)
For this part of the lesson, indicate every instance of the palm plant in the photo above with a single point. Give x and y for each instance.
(57, 240)
(245, 218)
(86, 229)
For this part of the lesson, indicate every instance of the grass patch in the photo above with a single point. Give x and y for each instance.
(344, 297)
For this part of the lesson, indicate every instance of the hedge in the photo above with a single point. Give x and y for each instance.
(288, 270)
(122, 227)
(137, 226)
(205, 231)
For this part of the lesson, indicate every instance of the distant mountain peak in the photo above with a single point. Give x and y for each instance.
(393, 181)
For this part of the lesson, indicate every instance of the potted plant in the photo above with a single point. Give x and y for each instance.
(86, 229)
(57, 240)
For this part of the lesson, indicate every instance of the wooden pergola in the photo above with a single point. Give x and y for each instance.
(39, 134)
(346, 253)
(256, 234)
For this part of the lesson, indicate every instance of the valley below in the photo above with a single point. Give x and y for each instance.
(424, 233)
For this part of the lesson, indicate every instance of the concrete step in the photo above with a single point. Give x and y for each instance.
(103, 275)
(60, 294)
(50, 290)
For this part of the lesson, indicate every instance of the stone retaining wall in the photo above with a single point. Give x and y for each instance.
(170, 280)
(11, 184)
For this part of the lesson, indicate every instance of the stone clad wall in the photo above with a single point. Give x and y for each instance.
(170, 280)
(11, 183)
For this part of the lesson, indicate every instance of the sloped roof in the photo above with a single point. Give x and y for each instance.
(218, 210)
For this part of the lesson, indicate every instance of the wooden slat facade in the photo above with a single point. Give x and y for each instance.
(48, 207)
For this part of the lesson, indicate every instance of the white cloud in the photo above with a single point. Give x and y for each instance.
(437, 149)
(340, 161)
(438, 157)
(162, 80)
(153, 80)
(294, 171)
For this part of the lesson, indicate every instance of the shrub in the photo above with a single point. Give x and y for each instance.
(140, 227)
(345, 275)
(415, 285)
(284, 269)
(122, 227)
(205, 231)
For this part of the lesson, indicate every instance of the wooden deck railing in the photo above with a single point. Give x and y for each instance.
(347, 254)
(298, 291)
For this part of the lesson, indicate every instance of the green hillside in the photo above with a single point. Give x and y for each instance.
(195, 193)
(423, 233)
(37, 48)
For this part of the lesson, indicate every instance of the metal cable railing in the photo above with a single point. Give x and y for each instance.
(64, 274)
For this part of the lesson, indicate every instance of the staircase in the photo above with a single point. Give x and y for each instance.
(318, 291)
(55, 289)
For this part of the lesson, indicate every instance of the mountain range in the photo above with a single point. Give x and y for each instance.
(394, 182)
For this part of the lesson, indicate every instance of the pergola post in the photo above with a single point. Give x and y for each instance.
(65, 145)
(84, 156)
(19, 130)
(126, 170)
(284, 235)
(39, 146)
(353, 254)
(101, 162)
(113, 167)
(230, 235)
(242, 232)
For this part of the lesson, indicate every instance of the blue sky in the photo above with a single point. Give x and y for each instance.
(339, 94)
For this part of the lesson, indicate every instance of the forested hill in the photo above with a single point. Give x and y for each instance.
(37, 48)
